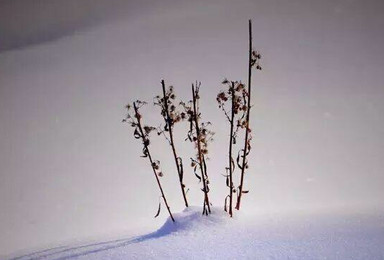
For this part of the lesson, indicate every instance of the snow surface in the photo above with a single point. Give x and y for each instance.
(193, 236)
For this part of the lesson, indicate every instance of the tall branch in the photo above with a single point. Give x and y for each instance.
(230, 158)
(245, 149)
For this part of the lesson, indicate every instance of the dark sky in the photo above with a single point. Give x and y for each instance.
(67, 68)
(23, 23)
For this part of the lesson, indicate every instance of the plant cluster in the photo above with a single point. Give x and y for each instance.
(234, 101)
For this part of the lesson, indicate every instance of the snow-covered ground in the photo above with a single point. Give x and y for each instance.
(263, 236)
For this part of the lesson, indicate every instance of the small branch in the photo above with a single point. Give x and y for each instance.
(236, 96)
(148, 154)
(230, 163)
(195, 116)
(169, 122)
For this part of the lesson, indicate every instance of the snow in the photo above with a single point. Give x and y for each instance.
(70, 171)
(258, 236)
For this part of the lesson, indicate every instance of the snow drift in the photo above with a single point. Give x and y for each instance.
(217, 236)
